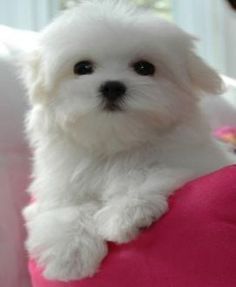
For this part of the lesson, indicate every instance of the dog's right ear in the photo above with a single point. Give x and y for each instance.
(202, 76)
(33, 76)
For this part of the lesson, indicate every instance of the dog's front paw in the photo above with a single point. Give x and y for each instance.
(72, 260)
(67, 262)
(121, 222)
(64, 246)
(115, 227)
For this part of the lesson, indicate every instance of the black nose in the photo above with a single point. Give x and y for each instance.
(112, 91)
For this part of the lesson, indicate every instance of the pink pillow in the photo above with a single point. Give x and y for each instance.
(193, 245)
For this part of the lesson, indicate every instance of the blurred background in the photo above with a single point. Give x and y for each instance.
(212, 21)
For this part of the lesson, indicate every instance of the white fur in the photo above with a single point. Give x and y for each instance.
(100, 175)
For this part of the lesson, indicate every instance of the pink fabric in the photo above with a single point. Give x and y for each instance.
(14, 176)
(193, 245)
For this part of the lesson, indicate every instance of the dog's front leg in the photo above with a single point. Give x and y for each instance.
(64, 241)
(143, 201)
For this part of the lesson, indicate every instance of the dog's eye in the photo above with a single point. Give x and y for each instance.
(144, 68)
(83, 68)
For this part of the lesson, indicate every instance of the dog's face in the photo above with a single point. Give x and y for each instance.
(107, 68)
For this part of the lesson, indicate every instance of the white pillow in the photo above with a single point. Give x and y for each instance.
(13, 41)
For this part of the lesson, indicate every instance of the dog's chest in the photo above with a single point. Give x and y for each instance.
(100, 178)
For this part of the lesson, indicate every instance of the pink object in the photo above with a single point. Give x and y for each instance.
(14, 174)
(226, 133)
(193, 245)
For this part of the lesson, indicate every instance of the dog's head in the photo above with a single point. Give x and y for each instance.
(109, 67)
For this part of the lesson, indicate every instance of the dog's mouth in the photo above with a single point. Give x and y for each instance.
(112, 107)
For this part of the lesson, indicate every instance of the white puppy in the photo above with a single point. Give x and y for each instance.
(115, 127)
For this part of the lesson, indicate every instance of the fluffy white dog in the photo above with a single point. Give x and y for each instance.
(115, 128)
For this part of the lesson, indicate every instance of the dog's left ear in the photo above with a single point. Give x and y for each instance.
(33, 76)
(202, 76)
